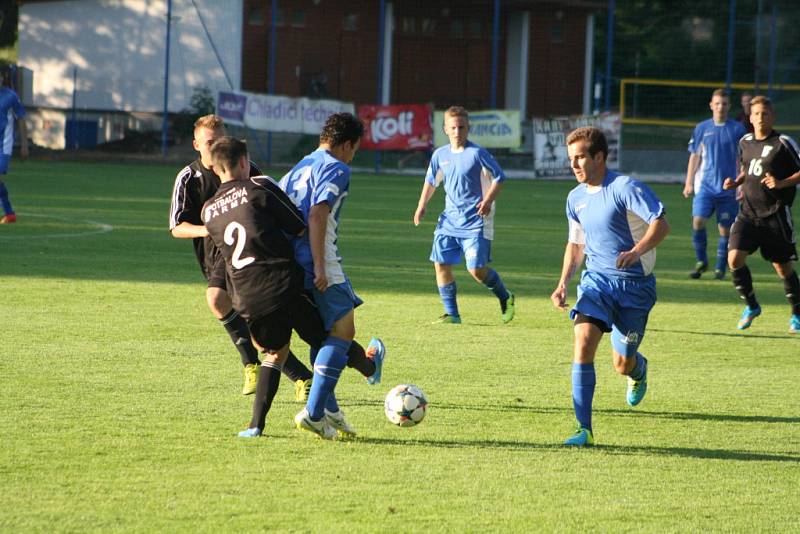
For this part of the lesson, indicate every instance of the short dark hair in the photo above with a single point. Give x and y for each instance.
(227, 151)
(763, 100)
(340, 128)
(595, 137)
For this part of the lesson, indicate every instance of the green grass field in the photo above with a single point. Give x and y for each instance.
(121, 393)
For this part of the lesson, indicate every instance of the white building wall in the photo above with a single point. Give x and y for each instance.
(118, 47)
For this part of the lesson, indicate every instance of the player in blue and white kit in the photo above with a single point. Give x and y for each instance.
(472, 180)
(714, 151)
(318, 185)
(10, 109)
(615, 222)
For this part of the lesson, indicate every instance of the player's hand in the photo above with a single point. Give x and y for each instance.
(320, 280)
(559, 298)
(770, 181)
(688, 189)
(418, 215)
(484, 208)
(728, 184)
(627, 258)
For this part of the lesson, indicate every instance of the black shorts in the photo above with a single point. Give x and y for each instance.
(774, 235)
(274, 330)
(215, 273)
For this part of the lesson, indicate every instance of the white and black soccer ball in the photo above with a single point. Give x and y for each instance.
(405, 405)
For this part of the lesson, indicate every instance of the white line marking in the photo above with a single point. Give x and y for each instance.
(101, 228)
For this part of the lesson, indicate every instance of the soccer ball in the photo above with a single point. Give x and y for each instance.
(405, 405)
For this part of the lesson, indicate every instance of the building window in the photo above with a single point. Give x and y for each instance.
(408, 25)
(350, 22)
(428, 26)
(255, 15)
(457, 29)
(298, 18)
(475, 29)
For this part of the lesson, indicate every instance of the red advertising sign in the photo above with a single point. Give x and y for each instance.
(399, 127)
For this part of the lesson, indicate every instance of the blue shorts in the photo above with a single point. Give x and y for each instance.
(726, 206)
(623, 304)
(336, 302)
(5, 159)
(447, 250)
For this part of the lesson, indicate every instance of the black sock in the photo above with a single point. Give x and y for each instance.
(236, 327)
(791, 284)
(357, 359)
(743, 282)
(268, 380)
(295, 370)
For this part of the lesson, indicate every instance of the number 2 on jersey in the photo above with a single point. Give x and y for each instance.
(241, 236)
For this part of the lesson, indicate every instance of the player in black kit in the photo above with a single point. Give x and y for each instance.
(769, 174)
(195, 184)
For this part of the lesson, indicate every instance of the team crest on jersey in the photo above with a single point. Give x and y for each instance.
(631, 338)
(766, 150)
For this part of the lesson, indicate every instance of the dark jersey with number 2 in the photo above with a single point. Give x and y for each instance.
(249, 220)
(777, 155)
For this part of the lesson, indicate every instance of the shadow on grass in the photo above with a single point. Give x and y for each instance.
(724, 334)
(681, 416)
(686, 452)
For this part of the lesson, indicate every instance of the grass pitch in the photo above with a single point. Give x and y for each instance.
(120, 392)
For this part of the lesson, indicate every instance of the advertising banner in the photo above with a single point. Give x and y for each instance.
(493, 128)
(398, 127)
(274, 113)
(549, 142)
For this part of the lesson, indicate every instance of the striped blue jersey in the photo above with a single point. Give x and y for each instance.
(318, 178)
(10, 109)
(718, 146)
(467, 175)
(612, 218)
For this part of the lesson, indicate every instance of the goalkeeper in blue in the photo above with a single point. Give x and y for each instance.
(472, 180)
(615, 223)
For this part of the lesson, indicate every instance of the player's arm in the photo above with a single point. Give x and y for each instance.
(187, 230)
(317, 228)
(573, 259)
(773, 183)
(428, 190)
(733, 184)
(655, 234)
(694, 164)
(485, 205)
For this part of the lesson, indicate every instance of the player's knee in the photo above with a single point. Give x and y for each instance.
(479, 274)
(218, 302)
(623, 365)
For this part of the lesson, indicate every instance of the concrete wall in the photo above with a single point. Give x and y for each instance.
(118, 47)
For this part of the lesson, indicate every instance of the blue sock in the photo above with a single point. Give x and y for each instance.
(493, 282)
(4, 199)
(448, 294)
(583, 382)
(700, 240)
(640, 370)
(722, 254)
(331, 359)
(331, 405)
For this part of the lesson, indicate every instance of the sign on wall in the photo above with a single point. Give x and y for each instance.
(273, 113)
(493, 128)
(399, 127)
(549, 142)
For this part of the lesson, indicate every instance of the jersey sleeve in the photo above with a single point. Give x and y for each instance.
(289, 218)
(490, 164)
(640, 199)
(183, 207)
(332, 184)
(696, 139)
(575, 233)
(793, 151)
(433, 176)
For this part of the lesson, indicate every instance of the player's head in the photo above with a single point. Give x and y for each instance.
(229, 158)
(587, 148)
(720, 104)
(456, 125)
(762, 115)
(745, 101)
(207, 129)
(342, 135)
